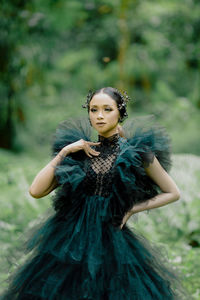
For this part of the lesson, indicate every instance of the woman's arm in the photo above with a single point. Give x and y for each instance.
(167, 185)
(45, 181)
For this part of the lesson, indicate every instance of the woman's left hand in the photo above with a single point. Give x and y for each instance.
(125, 219)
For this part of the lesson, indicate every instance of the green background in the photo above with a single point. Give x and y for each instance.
(52, 53)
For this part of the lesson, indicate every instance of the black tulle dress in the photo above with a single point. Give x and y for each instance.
(80, 252)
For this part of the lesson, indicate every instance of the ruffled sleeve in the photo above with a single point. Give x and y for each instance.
(144, 141)
(70, 131)
(70, 172)
(150, 139)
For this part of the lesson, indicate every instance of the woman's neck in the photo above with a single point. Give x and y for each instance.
(112, 139)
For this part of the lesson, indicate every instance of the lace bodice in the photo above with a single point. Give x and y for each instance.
(99, 169)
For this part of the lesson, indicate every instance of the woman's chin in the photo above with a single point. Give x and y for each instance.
(101, 130)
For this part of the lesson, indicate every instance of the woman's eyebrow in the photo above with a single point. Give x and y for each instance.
(102, 105)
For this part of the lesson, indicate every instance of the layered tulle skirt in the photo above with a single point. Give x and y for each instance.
(83, 256)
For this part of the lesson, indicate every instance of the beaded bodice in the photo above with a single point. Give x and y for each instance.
(99, 169)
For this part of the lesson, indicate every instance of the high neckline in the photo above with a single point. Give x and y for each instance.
(111, 140)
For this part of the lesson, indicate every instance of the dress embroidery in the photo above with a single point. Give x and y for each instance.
(99, 169)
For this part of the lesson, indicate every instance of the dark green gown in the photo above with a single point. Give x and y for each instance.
(80, 252)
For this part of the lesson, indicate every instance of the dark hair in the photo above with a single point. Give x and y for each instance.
(116, 95)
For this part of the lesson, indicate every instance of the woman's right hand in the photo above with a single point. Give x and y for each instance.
(82, 145)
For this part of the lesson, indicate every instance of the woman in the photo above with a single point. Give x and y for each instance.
(85, 250)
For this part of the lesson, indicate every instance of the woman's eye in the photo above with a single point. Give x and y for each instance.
(107, 109)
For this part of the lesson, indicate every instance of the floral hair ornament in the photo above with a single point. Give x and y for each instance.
(125, 98)
(122, 106)
(89, 97)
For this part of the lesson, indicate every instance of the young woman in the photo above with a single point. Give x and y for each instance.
(85, 250)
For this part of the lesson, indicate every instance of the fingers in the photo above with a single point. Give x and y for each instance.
(93, 152)
(88, 154)
(89, 150)
(94, 143)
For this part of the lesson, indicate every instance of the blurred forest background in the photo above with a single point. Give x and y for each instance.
(52, 53)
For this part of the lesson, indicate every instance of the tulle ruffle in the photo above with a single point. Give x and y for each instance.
(70, 172)
(85, 257)
(70, 131)
(149, 137)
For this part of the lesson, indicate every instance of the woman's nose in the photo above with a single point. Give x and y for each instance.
(100, 114)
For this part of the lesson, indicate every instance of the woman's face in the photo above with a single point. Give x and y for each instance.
(104, 109)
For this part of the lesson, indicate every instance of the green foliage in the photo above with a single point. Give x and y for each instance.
(54, 51)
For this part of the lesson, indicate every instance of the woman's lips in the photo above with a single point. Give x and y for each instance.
(101, 123)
